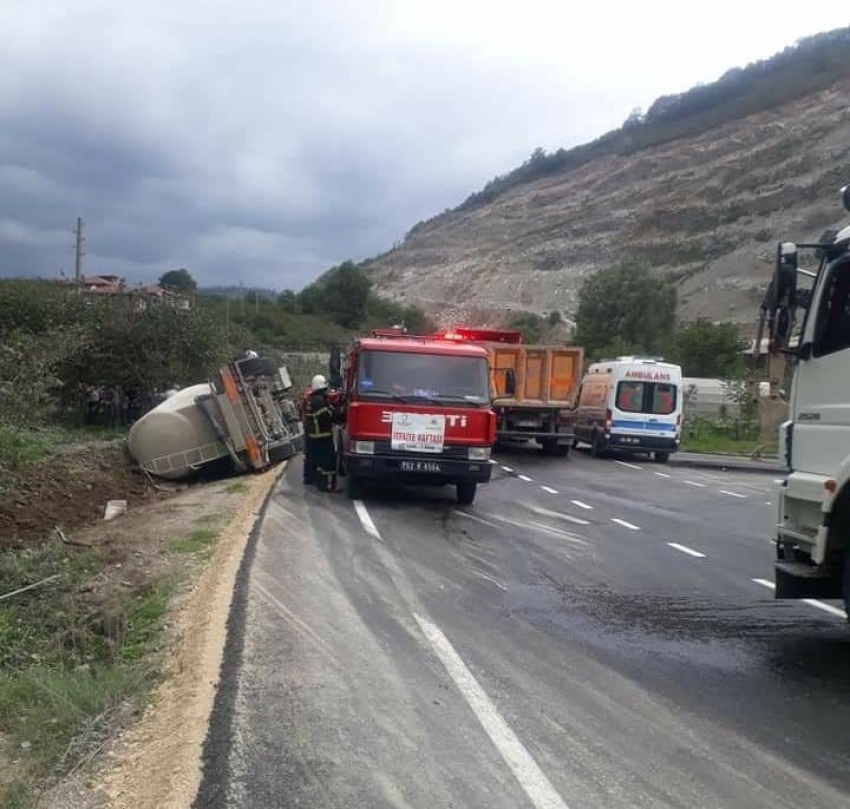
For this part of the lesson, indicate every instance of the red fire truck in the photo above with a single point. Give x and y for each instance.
(417, 411)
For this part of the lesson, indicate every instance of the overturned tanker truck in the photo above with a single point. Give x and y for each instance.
(243, 418)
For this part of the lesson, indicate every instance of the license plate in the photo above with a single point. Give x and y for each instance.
(419, 466)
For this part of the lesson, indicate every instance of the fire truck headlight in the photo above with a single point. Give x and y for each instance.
(363, 447)
(479, 453)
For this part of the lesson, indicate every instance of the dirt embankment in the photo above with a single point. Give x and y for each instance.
(70, 488)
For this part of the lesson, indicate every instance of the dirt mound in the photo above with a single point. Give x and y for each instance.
(69, 489)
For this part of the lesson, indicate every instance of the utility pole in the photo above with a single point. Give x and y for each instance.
(79, 249)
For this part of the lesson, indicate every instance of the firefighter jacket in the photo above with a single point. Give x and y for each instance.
(318, 416)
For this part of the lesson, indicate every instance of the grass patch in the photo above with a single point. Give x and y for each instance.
(198, 542)
(73, 653)
(19, 447)
(237, 487)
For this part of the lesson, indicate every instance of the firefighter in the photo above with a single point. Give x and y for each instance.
(319, 451)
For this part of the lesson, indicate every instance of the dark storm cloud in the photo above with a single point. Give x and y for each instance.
(264, 141)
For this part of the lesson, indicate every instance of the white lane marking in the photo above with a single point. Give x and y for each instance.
(365, 519)
(695, 483)
(532, 779)
(779, 480)
(507, 469)
(549, 489)
(525, 769)
(492, 461)
(490, 579)
(580, 504)
(662, 474)
(628, 465)
(685, 549)
(625, 524)
(478, 519)
(526, 478)
(768, 503)
(733, 494)
(812, 602)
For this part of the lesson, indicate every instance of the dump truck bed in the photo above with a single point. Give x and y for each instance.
(546, 376)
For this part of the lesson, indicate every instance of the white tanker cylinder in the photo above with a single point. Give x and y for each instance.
(176, 437)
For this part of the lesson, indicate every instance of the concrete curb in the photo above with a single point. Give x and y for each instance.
(737, 463)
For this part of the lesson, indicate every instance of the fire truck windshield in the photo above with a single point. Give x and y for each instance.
(429, 377)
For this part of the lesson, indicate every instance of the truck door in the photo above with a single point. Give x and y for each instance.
(821, 385)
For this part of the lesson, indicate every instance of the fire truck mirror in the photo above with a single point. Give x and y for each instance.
(335, 368)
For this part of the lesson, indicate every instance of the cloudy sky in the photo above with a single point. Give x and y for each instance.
(263, 141)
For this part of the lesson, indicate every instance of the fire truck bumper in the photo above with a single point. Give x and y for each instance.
(437, 471)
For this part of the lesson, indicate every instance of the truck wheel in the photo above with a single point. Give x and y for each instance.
(552, 447)
(353, 487)
(662, 457)
(597, 448)
(466, 492)
(258, 366)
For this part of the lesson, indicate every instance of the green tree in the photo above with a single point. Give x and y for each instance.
(178, 281)
(341, 296)
(626, 306)
(709, 349)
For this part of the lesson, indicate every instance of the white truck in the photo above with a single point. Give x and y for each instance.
(811, 529)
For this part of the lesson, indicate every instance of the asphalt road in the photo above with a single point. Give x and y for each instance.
(589, 634)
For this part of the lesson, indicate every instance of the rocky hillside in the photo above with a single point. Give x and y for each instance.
(707, 208)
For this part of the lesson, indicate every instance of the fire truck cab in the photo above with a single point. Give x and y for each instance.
(417, 410)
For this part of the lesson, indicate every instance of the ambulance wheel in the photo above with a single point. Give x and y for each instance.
(662, 457)
(466, 492)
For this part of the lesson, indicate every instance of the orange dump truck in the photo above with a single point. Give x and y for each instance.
(532, 385)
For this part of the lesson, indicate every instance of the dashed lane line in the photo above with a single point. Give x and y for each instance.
(507, 469)
(663, 475)
(549, 489)
(695, 483)
(625, 524)
(581, 504)
(687, 550)
(734, 494)
(526, 478)
(812, 602)
(628, 465)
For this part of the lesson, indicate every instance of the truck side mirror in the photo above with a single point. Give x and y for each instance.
(335, 368)
(785, 274)
(510, 382)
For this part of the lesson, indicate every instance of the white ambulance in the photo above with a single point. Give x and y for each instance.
(631, 404)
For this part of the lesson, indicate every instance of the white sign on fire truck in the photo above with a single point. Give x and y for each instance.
(418, 432)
